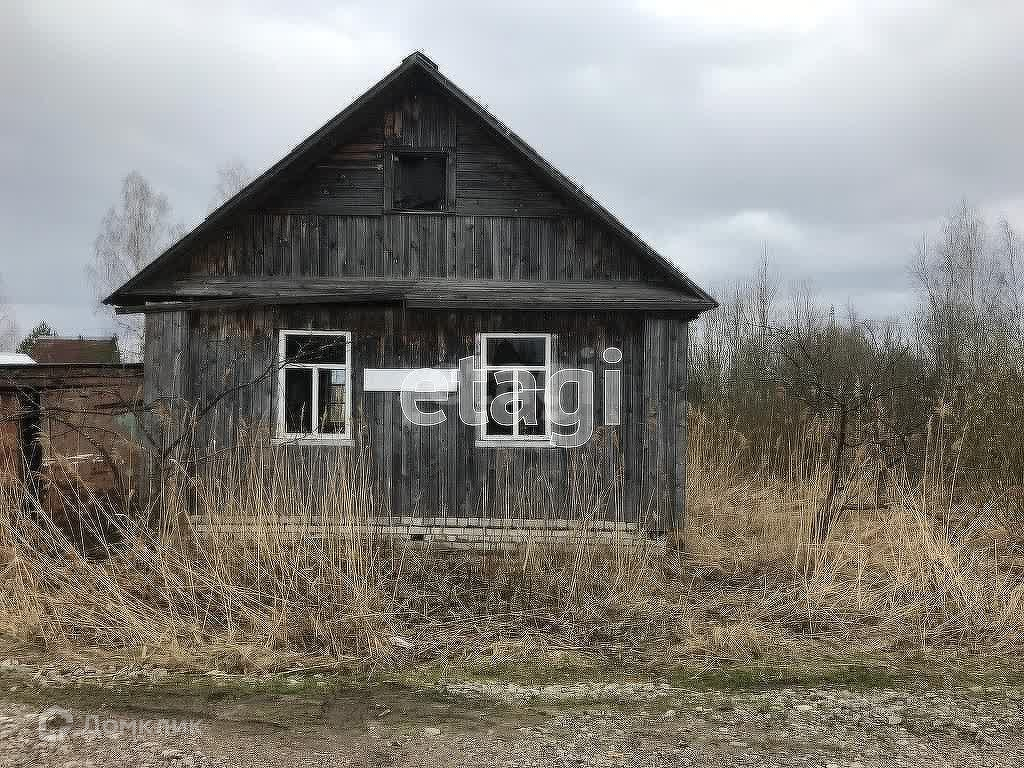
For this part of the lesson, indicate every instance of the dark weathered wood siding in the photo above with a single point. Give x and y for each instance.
(502, 221)
(227, 370)
(506, 247)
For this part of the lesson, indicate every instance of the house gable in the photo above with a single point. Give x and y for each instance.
(324, 215)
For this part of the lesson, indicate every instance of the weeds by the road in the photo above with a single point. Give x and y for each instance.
(749, 585)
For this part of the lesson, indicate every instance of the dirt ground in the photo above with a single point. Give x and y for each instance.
(149, 719)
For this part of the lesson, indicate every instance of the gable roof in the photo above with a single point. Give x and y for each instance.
(321, 137)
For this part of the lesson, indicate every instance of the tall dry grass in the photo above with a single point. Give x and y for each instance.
(927, 569)
(198, 585)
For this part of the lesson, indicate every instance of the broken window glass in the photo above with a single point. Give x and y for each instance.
(314, 384)
(314, 348)
(419, 182)
(331, 393)
(298, 400)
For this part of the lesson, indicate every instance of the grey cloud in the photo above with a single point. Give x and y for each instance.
(835, 140)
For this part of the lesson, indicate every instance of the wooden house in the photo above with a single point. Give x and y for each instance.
(411, 231)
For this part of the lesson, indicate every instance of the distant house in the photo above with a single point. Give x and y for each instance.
(67, 417)
(75, 350)
(413, 231)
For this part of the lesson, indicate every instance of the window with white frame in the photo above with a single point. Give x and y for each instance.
(516, 370)
(314, 385)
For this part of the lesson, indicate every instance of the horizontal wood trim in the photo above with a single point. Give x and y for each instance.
(548, 296)
(263, 287)
(418, 294)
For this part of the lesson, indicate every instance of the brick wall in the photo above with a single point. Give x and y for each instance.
(86, 425)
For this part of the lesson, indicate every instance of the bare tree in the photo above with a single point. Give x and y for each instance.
(8, 325)
(970, 326)
(232, 176)
(847, 372)
(131, 235)
(730, 345)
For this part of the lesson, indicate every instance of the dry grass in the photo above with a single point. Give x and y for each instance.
(928, 571)
(196, 589)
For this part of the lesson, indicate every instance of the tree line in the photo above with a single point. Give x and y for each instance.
(880, 390)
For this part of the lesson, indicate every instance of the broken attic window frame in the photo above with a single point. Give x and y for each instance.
(419, 181)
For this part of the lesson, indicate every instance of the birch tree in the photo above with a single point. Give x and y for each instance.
(8, 325)
(232, 176)
(131, 234)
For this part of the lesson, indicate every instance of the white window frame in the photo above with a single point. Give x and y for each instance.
(485, 440)
(314, 437)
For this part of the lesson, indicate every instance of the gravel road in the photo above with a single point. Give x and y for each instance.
(476, 724)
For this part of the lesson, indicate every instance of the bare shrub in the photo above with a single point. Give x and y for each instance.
(912, 574)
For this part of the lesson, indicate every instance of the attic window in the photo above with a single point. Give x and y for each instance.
(419, 182)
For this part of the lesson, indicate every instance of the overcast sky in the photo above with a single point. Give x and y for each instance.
(834, 134)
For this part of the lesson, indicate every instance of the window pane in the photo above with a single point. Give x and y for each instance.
(332, 401)
(521, 398)
(419, 182)
(516, 351)
(494, 389)
(298, 400)
(315, 348)
(533, 413)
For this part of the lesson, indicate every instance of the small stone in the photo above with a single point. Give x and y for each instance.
(432, 732)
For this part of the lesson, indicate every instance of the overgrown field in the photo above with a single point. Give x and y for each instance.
(924, 574)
